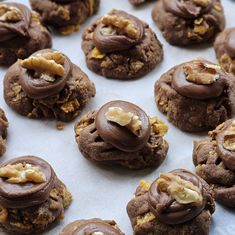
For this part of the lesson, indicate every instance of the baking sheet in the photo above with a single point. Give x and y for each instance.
(105, 191)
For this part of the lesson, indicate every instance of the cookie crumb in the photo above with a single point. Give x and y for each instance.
(60, 126)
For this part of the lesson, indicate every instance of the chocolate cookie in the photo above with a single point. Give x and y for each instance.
(214, 159)
(225, 50)
(65, 16)
(21, 33)
(47, 85)
(196, 95)
(92, 226)
(177, 203)
(121, 46)
(3, 132)
(121, 133)
(31, 196)
(187, 22)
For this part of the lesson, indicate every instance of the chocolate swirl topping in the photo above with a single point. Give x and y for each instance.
(187, 9)
(11, 29)
(110, 34)
(169, 211)
(230, 43)
(27, 194)
(36, 86)
(119, 136)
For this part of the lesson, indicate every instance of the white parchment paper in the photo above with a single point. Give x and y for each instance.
(105, 191)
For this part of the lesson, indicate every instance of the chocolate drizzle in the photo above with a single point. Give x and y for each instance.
(27, 194)
(110, 42)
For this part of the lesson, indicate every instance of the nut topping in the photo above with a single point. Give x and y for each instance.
(158, 126)
(9, 13)
(229, 138)
(122, 118)
(202, 3)
(22, 173)
(201, 73)
(184, 192)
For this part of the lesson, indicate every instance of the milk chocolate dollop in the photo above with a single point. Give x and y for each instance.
(110, 39)
(230, 43)
(11, 29)
(196, 90)
(27, 194)
(36, 87)
(169, 211)
(119, 136)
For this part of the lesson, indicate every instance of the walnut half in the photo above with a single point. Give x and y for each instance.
(229, 138)
(9, 13)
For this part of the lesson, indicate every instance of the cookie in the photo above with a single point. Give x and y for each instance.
(176, 203)
(92, 226)
(47, 85)
(196, 95)
(65, 16)
(121, 46)
(137, 2)
(31, 196)
(21, 33)
(189, 22)
(225, 50)
(3, 131)
(214, 159)
(121, 133)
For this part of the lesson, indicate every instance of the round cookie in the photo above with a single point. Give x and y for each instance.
(21, 33)
(176, 203)
(225, 50)
(3, 131)
(31, 196)
(121, 46)
(188, 22)
(65, 16)
(196, 95)
(47, 85)
(214, 159)
(121, 133)
(92, 226)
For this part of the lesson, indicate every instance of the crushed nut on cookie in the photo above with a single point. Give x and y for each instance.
(96, 54)
(122, 118)
(9, 13)
(158, 126)
(183, 191)
(202, 3)
(22, 173)
(229, 138)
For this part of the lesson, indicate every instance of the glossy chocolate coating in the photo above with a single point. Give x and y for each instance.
(27, 194)
(168, 210)
(111, 43)
(230, 43)
(196, 91)
(9, 30)
(119, 136)
(38, 88)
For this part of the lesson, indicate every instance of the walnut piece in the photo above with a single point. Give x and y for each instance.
(9, 13)
(70, 106)
(201, 73)
(96, 54)
(184, 192)
(146, 218)
(48, 63)
(229, 138)
(22, 173)
(122, 118)
(158, 126)
(123, 25)
(202, 3)
(3, 214)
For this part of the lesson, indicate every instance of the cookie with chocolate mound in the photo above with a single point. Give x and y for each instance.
(65, 16)
(225, 50)
(176, 203)
(121, 46)
(92, 226)
(214, 159)
(21, 33)
(47, 85)
(31, 196)
(188, 22)
(121, 133)
(3, 131)
(196, 95)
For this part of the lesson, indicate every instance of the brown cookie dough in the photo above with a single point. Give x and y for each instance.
(31, 196)
(214, 159)
(121, 46)
(177, 203)
(47, 85)
(189, 22)
(121, 133)
(3, 131)
(21, 33)
(65, 16)
(196, 95)
(92, 226)
(225, 50)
